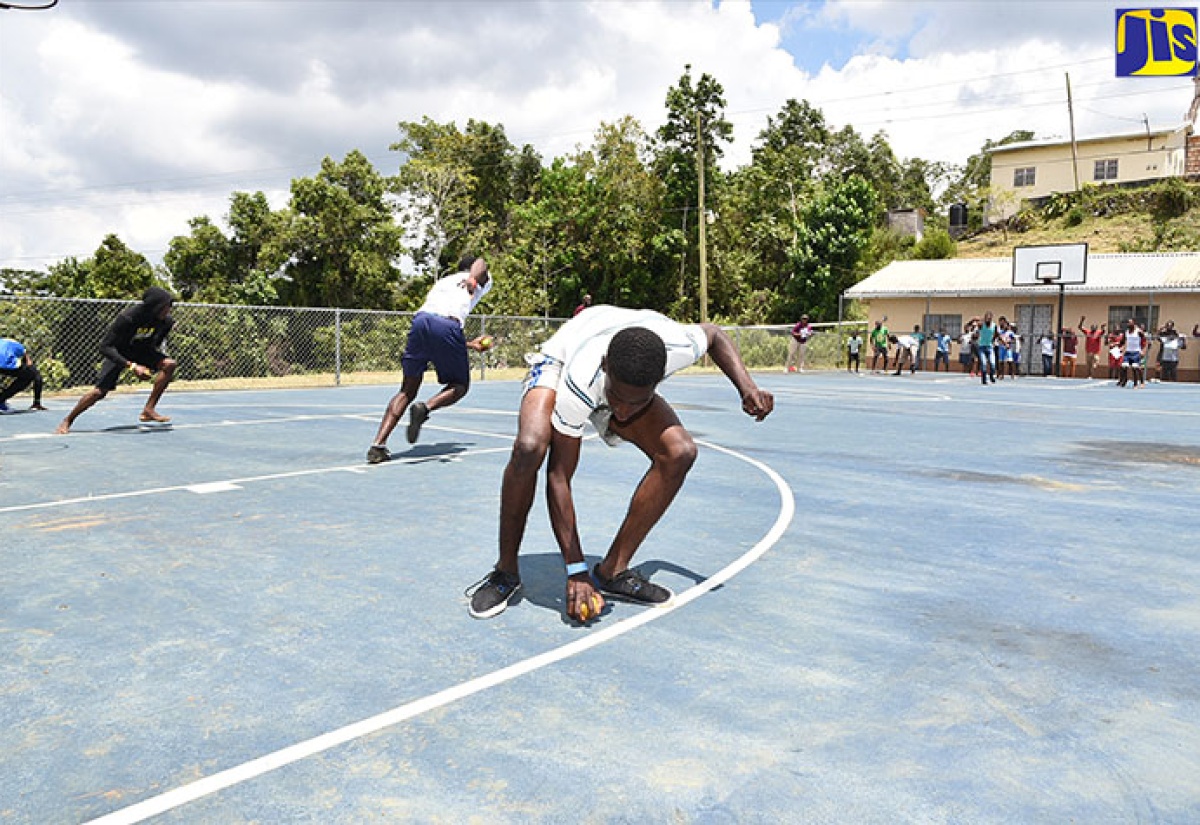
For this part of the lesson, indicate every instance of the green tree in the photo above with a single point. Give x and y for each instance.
(456, 189)
(836, 231)
(695, 113)
(342, 242)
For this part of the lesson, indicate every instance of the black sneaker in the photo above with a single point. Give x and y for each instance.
(631, 586)
(491, 594)
(416, 417)
(377, 454)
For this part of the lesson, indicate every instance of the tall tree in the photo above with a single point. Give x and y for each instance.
(344, 245)
(837, 229)
(695, 115)
(456, 188)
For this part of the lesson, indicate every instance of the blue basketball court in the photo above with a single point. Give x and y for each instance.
(901, 599)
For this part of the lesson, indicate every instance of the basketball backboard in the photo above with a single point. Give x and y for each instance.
(1050, 265)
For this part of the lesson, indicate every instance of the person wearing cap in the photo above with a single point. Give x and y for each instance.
(436, 337)
(134, 341)
(797, 347)
(16, 363)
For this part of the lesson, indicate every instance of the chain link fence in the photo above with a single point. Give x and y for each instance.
(285, 346)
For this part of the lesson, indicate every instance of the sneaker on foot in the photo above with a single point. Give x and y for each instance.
(377, 454)
(631, 586)
(3, 406)
(416, 417)
(492, 594)
(37, 408)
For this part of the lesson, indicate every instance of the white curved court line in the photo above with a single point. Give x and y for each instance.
(302, 750)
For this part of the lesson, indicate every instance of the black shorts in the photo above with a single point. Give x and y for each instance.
(110, 371)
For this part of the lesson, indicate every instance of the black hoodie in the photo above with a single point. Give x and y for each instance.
(139, 328)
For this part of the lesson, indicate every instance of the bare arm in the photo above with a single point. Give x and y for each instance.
(756, 402)
(564, 458)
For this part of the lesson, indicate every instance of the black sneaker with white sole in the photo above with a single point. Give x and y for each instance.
(631, 586)
(416, 417)
(493, 593)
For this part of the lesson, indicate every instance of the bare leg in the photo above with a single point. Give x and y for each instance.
(89, 399)
(409, 386)
(658, 433)
(520, 476)
(166, 371)
(448, 395)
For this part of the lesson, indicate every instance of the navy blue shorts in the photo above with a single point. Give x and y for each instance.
(440, 341)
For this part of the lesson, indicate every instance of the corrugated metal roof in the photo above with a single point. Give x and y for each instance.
(1114, 274)
(1047, 142)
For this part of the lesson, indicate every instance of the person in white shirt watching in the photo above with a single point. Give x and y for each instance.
(436, 337)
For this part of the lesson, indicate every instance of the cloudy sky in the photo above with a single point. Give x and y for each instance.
(132, 116)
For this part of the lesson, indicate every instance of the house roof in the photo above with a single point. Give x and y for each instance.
(962, 277)
(1040, 144)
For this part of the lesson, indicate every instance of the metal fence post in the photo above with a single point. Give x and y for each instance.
(337, 346)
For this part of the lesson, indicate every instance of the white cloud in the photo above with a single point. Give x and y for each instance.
(132, 117)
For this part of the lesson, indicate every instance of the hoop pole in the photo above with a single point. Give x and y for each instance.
(1062, 339)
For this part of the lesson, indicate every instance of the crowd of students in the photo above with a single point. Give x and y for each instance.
(991, 350)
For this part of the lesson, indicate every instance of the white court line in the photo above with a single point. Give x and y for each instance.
(302, 750)
(222, 485)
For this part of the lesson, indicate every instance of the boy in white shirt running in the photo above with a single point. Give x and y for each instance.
(436, 337)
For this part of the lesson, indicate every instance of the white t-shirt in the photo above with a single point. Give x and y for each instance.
(582, 342)
(449, 297)
(909, 342)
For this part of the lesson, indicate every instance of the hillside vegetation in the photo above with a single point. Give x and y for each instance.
(1164, 217)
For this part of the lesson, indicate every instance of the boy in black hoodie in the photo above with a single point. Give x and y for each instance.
(134, 342)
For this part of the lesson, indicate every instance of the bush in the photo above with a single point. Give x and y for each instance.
(1171, 199)
(936, 245)
(1074, 216)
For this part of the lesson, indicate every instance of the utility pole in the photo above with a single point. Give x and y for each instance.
(1074, 150)
(702, 222)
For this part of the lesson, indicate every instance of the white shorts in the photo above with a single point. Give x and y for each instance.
(544, 371)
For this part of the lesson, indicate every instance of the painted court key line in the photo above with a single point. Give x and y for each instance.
(310, 747)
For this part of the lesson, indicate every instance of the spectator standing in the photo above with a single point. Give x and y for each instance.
(1170, 344)
(1016, 350)
(801, 332)
(879, 344)
(1133, 348)
(1047, 345)
(985, 342)
(853, 348)
(1004, 346)
(966, 347)
(942, 356)
(1070, 352)
(1093, 342)
(1115, 369)
(584, 304)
